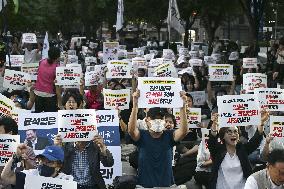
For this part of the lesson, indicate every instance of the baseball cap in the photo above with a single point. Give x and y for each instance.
(156, 113)
(53, 153)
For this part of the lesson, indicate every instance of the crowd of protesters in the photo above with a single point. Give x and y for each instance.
(236, 158)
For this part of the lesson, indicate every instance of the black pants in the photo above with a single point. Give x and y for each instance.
(202, 178)
(45, 104)
(87, 187)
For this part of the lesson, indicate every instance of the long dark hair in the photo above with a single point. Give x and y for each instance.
(53, 54)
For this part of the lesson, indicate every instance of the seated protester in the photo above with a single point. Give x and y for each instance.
(94, 98)
(155, 145)
(72, 99)
(85, 157)
(231, 166)
(189, 82)
(9, 126)
(272, 177)
(170, 120)
(141, 72)
(50, 165)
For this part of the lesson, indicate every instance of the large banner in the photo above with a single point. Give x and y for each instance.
(16, 60)
(253, 81)
(193, 117)
(116, 99)
(277, 126)
(249, 62)
(16, 80)
(31, 68)
(161, 92)
(77, 125)
(68, 76)
(108, 127)
(238, 110)
(37, 130)
(165, 70)
(6, 106)
(118, 69)
(8, 146)
(221, 72)
(39, 182)
(270, 98)
(110, 51)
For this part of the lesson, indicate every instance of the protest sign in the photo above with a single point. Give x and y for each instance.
(131, 55)
(199, 97)
(71, 52)
(209, 60)
(116, 99)
(168, 54)
(6, 106)
(31, 68)
(77, 125)
(122, 54)
(161, 92)
(107, 118)
(139, 62)
(188, 70)
(193, 54)
(68, 76)
(252, 81)
(72, 59)
(221, 72)
(234, 55)
(165, 70)
(249, 62)
(40, 182)
(149, 57)
(118, 69)
(16, 60)
(205, 137)
(216, 57)
(110, 51)
(41, 127)
(270, 98)
(156, 62)
(29, 38)
(92, 78)
(183, 52)
(15, 113)
(193, 117)
(277, 126)
(195, 62)
(16, 80)
(89, 60)
(8, 146)
(151, 72)
(238, 110)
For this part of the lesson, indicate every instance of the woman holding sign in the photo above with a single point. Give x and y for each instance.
(231, 165)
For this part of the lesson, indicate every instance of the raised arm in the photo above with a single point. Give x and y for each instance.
(181, 132)
(132, 124)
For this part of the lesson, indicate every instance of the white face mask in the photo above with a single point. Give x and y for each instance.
(157, 125)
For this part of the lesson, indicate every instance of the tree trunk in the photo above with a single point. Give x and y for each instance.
(186, 34)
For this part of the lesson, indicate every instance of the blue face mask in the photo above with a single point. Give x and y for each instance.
(45, 170)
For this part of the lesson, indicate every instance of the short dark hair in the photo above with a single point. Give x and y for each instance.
(275, 156)
(77, 97)
(156, 113)
(220, 90)
(172, 117)
(10, 125)
(189, 96)
(53, 54)
(119, 84)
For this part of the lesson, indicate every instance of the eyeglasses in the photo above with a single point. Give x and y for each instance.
(231, 132)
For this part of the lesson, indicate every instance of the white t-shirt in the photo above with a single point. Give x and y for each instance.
(230, 173)
(252, 184)
(30, 56)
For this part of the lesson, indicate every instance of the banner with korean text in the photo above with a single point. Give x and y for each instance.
(8, 146)
(116, 99)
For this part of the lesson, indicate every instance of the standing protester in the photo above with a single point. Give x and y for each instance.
(155, 145)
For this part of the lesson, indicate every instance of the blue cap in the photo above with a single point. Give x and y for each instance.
(53, 153)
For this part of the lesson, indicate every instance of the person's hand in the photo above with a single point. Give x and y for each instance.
(264, 116)
(214, 119)
(183, 97)
(275, 74)
(135, 96)
(269, 138)
(98, 140)
(21, 149)
(57, 141)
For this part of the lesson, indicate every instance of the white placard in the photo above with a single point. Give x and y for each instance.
(209, 60)
(29, 38)
(193, 54)
(199, 97)
(116, 99)
(16, 80)
(156, 62)
(68, 76)
(89, 60)
(253, 81)
(183, 52)
(72, 59)
(6, 106)
(107, 117)
(139, 62)
(92, 78)
(71, 52)
(221, 72)
(168, 54)
(39, 182)
(193, 117)
(8, 146)
(195, 62)
(161, 92)
(270, 98)
(46, 120)
(238, 110)
(165, 70)
(249, 62)
(16, 60)
(188, 70)
(31, 68)
(110, 51)
(77, 125)
(277, 126)
(118, 69)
